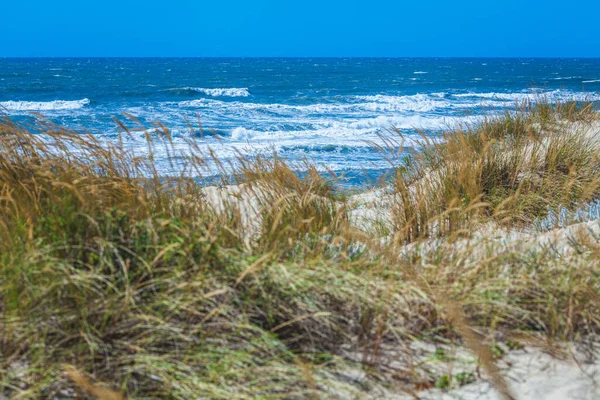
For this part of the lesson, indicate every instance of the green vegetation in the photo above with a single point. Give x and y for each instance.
(117, 282)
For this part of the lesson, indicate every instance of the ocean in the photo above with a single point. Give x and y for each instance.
(331, 111)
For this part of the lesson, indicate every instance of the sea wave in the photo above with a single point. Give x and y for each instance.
(353, 105)
(349, 116)
(496, 96)
(357, 136)
(350, 105)
(216, 92)
(357, 130)
(416, 103)
(553, 95)
(44, 105)
(377, 103)
(565, 78)
(411, 122)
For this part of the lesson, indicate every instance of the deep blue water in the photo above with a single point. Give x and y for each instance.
(327, 109)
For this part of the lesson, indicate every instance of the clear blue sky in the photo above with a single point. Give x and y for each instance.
(477, 28)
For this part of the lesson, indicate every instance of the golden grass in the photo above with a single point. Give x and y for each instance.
(508, 169)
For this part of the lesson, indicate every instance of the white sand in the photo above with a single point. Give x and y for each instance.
(534, 375)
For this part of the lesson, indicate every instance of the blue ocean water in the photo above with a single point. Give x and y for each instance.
(329, 110)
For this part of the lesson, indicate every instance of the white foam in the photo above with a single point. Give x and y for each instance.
(554, 95)
(220, 92)
(348, 122)
(240, 133)
(591, 81)
(420, 72)
(349, 132)
(44, 105)
(495, 96)
(565, 78)
(359, 106)
(353, 105)
(384, 123)
(417, 102)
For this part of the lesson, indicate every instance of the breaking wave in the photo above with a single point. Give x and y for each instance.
(44, 105)
(554, 95)
(215, 92)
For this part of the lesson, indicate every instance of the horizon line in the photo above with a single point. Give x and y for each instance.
(304, 57)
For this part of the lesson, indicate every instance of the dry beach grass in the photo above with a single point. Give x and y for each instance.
(119, 282)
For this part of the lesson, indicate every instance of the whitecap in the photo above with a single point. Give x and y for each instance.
(44, 105)
(240, 133)
(417, 102)
(217, 92)
(565, 78)
(551, 96)
(383, 123)
(352, 105)
(356, 104)
(356, 131)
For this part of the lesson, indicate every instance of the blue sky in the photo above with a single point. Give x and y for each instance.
(315, 28)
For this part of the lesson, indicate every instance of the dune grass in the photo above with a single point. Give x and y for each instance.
(118, 282)
(509, 169)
